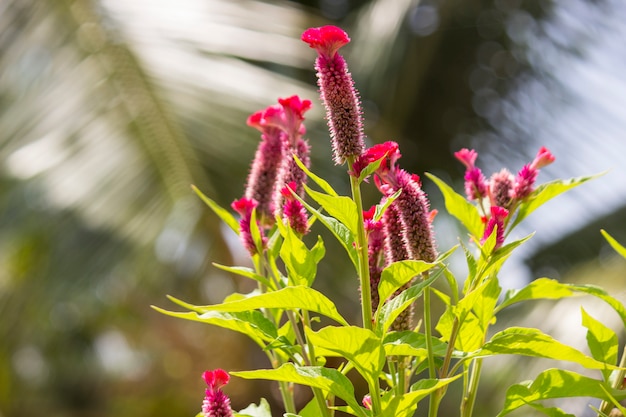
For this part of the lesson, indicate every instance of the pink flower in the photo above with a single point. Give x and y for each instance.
(496, 221)
(245, 206)
(467, 157)
(367, 402)
(294, 212)
(340, 98)
(373, 154)
(326, 39)
(216, 403)
(293, 116)
(267, 159)
(524, 182)
(501, 188)
(375, 252)
(544, 157)
(475, 182)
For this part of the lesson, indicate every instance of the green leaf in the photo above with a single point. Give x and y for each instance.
(328, 380)
(550, 411)
(541, 288)
(602, 342)
(500, 255)
(397, 274)
(289, 298)
(546, 192)
(556, 383)
(458, 206)
(614, 244)
(245, 272)
(405, 405)
(319, 181)
(380, 208)
(223, 214)
(360, 346)
(253, 410)
(533, 342)
(301, 263)
(545, 288)
(251, 323)
(408, 343)
(312, 409)
(388, 311)
(339, 230)
(341, 208)
(370, 168)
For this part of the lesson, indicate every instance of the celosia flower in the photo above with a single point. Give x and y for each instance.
(269, 154)
(294, 212)
(373, 154)
(496, 221)
(375, 252)
(544, 157)
(526, 177)
(475, 183)
(340, 98)
(293, 113)
(245, 206)
(216, 403)
(407, 223)
(501, 188)
(367, 402)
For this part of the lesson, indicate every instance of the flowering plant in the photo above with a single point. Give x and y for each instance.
(392, 248)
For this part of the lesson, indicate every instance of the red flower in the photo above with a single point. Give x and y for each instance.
(373, 154)
(498, 215)
(326, 39)
(216, 403)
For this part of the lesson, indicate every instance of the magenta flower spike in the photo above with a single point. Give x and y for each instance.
(375, 252)
(544, 157)
(496, 221)
(216, 403)
(475, 182)
(526, 177)
(245, 206)
(337, 91)
(501, 188)
(294, 212)
(267, 160)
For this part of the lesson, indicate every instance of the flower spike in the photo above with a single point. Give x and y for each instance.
(216, 403)
(340, 98)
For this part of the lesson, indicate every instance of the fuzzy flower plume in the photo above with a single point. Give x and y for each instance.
(245, 207)
(475, 182)
(337, 91)
(216, 403)
(406, 222)
(526, 177)
(267, 159)
(294, 212)
(501, 188)
(496, 221)
(375, 252)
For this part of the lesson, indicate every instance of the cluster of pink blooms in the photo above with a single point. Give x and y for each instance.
(502, 192)
(216, 403)
(275, 176)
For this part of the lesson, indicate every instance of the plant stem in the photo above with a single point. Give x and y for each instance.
(364, 278)
(361, 247)
(606, 406)
(433, 405)
(467, 405)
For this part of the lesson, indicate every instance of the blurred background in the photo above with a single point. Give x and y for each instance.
(110, 109)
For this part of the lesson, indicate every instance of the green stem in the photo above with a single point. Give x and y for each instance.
(361, 247)
(433, 405)
(364, 278)
(467, 406)
(606, 406)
